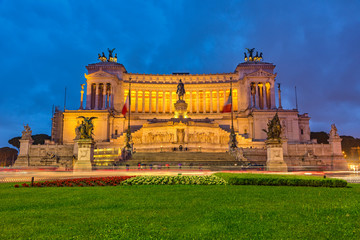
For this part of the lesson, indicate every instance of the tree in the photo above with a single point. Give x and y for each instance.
(38, 139)
(7, 156)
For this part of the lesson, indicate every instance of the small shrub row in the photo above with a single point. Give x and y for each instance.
(175, 180)
(79, 182)
(271, 180)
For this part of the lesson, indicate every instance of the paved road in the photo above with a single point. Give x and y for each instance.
(25, 175)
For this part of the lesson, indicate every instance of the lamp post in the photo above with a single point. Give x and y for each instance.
(233, 142)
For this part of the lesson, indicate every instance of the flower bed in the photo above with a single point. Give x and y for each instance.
(174, 180)
(79, 182)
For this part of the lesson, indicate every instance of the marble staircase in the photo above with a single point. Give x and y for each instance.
(185, 158)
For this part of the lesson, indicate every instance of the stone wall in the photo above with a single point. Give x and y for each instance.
(47, 155)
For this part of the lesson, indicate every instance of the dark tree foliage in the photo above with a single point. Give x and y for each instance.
(322, 137)
(38, 139)
(347, 143)
(7, 156)
(15, 142)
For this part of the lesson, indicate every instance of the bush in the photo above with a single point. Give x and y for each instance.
(280, 180)
(175, 180)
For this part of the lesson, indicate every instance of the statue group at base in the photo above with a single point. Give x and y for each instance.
(274, 146)
(85, 142)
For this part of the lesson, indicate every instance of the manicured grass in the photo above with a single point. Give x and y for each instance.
(180, 212)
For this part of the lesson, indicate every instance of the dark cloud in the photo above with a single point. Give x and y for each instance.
(46, 45)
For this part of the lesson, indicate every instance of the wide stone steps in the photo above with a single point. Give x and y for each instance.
(185, 158)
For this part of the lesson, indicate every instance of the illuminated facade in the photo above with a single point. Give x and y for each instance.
(154, 95)
(205, 129)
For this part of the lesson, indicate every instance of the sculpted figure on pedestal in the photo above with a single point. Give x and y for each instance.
(274, 129)
(26, 134)
(180, 90)
(86, 127)
(333, 131)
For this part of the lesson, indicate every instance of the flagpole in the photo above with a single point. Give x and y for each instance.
(233, 142)
(232, 120)
(129, 101)
(128, 132)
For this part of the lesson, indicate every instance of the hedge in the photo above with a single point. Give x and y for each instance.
(281, 180)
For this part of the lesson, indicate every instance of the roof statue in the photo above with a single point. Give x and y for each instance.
(102, 57)
(180, 90)
(110, 52)
(258, 57)
(111, 58)
(274, 129)
(86, 128)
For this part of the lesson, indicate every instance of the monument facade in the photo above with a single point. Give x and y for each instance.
(169, 110)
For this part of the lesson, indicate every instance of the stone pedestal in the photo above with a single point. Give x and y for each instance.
(23, 158)
(335, 145)
(180, 109)
(275, 157)
(338, 162)
(85, 155)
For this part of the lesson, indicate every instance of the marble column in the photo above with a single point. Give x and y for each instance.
(211, 101)
(204, 101)
(218, 101)
(171, 107)
(108, 96)
(104, 97)
(112, 93)
(143, 102)
(272, 96)
(256, 96)
(279, 93)
(136, 101)
(164, 101)
(264, 96)
(157, 101)
(150, 93)
(97, 90)
(197, 101)
(251, 97)
(190, 103)
(88, 96)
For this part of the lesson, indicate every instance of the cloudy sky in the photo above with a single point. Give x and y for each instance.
(45, 46)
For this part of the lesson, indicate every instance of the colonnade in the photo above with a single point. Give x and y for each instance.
(260, 95)
(162, 101)
(101, 96)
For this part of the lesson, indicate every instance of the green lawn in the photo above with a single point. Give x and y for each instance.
(180, 211)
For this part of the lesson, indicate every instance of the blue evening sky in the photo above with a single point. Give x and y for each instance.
(45, 46)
